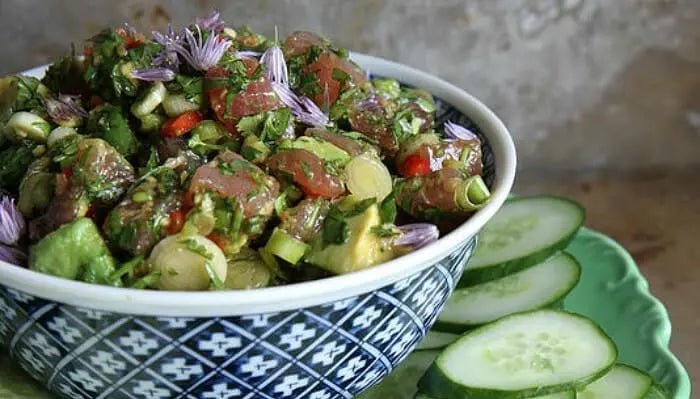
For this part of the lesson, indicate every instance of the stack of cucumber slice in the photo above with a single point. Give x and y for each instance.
(503, 334)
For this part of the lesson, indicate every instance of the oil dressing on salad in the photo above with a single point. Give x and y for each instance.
(214, 158)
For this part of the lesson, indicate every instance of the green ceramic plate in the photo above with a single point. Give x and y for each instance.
(612, 291)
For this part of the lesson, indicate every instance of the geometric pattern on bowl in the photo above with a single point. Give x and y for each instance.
(333, 350)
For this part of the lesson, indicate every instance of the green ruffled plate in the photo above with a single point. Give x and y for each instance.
(612, 291)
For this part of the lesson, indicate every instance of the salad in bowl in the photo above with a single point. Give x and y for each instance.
(213, 158)
(213, 213)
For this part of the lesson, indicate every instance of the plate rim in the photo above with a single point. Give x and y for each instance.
(662, 326)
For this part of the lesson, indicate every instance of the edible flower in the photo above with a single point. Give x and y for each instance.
(249, 54)
(202, 54)
(168, 56)
(12, 255)
(417, 235)
(303, 108)
(458, 132)
(212, 22)
(157, 74)
(276, 67)
(11, 221)
(64, 108)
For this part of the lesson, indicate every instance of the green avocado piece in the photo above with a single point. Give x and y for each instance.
(75, 251)
(321, 148)
(37, 187)
(363, 248)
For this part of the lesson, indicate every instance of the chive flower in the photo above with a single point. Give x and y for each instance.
(247, 54)
(157, 74)
(12, 255)
(168, 57)
(64, 108)
(417, 235)
(458, 132)
(275, 66)
(199, 53)
(212, 22)
(303, 108)
(11, 221)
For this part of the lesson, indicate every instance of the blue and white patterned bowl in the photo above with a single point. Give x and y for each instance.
(331, 338)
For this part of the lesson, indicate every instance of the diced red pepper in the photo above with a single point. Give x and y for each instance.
(414, 165)
(129, 40)
(177, 220)
(220, 241)
(181, 124)
(96, 101)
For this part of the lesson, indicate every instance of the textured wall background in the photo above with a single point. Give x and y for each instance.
(582, 84)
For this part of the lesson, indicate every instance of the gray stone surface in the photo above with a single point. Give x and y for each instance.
(582, 84)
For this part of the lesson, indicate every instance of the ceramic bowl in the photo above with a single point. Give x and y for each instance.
(331, 338)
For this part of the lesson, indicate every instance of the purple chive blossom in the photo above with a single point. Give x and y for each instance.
(303, 108)
(154, 74)
(417, 235)
(202, 54)
(130, 30)
(64, 108)
(458, 132)
(211, 22)
(11, 221)
(12, 255)
(276, 67)
(247, 54)
(167, 58)
(313, 115)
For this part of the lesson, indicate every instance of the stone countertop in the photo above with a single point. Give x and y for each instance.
(656, 216)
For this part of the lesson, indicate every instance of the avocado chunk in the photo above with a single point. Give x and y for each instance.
(321, 148)
(363, 248)
(75, 251)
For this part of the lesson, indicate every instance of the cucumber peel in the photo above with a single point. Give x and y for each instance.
(544, 285)
(522, 355)
(524, 232)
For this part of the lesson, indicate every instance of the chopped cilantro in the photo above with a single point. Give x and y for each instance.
(387, 209)
(340, 76)
(306, 169)
(385, 230)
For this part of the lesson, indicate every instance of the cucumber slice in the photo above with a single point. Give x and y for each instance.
(540, 286)
(400, 384)
(623, 382)
(523, 355)
(436, 340)
(559, 395)
(524, 232)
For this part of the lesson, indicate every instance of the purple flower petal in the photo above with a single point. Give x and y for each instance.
(458, 132)
(202, 55)
(417, 235)
(12, 255)
(130, 30)
(154, 74)
(11, 221)
(64, 108)
(313, 115)
(167, 58)
(249, 54)
(273, 59)
(211, 22)
(303, 108)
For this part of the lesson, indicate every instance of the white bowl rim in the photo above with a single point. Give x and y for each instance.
(312, 293)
